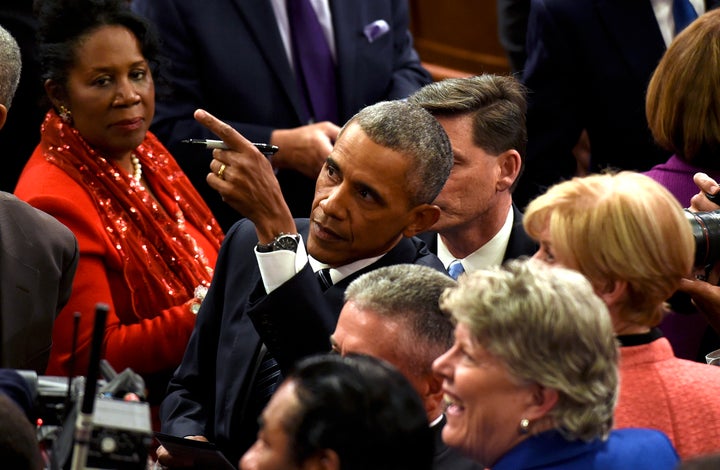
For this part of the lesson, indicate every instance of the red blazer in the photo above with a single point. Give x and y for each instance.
(679, 397)
(154, 344)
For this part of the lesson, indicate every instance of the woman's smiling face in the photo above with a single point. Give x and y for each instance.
(485, 403)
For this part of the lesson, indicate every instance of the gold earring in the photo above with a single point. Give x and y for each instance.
(65, 114)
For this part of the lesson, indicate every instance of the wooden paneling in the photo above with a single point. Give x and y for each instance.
(458, 36)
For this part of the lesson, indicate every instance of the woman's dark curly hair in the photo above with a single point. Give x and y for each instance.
(62, 25)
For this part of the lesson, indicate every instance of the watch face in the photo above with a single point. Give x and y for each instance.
(286, 242)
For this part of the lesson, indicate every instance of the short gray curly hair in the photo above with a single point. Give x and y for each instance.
(548, 327)
(11, 67)
(412, 131)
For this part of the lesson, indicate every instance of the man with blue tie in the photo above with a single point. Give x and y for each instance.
(266, 308)
(287, 72)
(588, 66)
(484, 118)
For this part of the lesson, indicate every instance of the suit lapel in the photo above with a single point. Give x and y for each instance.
(260, 19)
(347, 19)
(629, 24)
(520, 243)
(430, 239)
(404, 252)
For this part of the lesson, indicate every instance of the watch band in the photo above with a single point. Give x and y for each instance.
(284, 241)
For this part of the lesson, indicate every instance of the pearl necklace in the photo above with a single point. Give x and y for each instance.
(137, 168)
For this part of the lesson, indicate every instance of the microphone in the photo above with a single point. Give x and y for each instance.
(83, 424)
(68, 395)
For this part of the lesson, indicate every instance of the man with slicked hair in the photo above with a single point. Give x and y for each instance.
(484, 117)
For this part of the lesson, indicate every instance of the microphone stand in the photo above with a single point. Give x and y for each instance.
(84, 422)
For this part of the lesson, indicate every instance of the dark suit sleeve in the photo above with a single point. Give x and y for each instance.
(555, 102)
(408, 73)
(296, 319)
(188, 408)
(188, 76)
(70, 258)
(512, 30)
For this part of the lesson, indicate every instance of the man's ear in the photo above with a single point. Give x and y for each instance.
(421, 218)
(3, 115)
(325, 459)
(55, 92)
(433, 393)
(509, 164)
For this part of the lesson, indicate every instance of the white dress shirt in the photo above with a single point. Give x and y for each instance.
(490, 254)
(278, 267)
(664, 16)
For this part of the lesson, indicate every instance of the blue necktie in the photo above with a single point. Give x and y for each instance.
(683, 13)
(314, 64)
(455, 269)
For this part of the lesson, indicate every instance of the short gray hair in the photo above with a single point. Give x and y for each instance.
(10, 67)
(412, 131)
(410, 294)
(548, 327)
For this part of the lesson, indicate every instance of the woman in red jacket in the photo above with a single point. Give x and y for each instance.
(147, 241)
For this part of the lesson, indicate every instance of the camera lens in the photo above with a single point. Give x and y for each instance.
(706, 231)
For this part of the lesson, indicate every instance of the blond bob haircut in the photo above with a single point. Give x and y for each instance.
(548, 327)
(618, 227)
(683, 99)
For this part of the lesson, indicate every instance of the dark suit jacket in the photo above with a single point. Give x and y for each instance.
(38, 258)
(512, 30)
(227, 57)
(588, 66)
(204, 394)
(519, 244)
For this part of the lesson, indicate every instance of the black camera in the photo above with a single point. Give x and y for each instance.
(706, 231)
(120, 433)
(106, 430)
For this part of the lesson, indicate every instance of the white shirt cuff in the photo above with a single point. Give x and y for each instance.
(278, 267)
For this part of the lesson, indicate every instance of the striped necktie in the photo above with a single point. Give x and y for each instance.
(324, 278)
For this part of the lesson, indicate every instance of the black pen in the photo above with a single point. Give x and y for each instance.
(266, 149)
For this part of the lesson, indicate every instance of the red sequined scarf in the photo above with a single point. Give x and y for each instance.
(162, 263)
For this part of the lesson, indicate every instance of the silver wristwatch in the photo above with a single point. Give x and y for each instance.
(284, 241)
